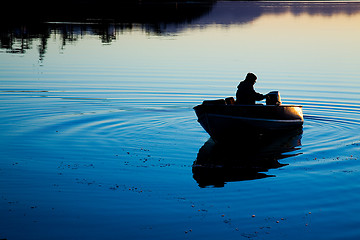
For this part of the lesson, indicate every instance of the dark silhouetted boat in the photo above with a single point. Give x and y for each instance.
(224, 120)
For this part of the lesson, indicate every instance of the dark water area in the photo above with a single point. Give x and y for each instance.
(246, 159)
(99, 139)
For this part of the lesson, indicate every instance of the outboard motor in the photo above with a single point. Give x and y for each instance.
(273, 98)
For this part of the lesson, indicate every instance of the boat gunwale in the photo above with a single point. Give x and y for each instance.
(246, 105)
(257, 119)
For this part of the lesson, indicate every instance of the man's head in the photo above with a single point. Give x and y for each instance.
(251, 78)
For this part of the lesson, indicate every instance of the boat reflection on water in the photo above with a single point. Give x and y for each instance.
(249, 159)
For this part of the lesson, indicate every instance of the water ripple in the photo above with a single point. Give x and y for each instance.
(330, 125)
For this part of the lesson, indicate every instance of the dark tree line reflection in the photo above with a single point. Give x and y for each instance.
(37, 22)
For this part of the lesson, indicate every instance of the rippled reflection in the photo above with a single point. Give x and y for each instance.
(217, 164)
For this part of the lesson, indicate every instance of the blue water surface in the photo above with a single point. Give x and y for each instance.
(99, 138)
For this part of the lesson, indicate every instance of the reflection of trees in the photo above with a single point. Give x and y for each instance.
(21, 38)
(105, 21)
(42, 47)
(17, 34)
(237, 12)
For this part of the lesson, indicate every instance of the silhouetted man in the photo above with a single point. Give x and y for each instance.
(246, 93)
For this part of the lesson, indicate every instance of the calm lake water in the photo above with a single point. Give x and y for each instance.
(99, 138)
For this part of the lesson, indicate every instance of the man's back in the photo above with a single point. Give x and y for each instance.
(246, 93)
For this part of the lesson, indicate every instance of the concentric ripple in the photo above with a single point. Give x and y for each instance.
(329, 126)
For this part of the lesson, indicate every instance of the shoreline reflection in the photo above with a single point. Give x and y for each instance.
(18, 34)
(216, 164)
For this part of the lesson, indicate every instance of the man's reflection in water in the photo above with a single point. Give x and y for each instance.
(217, 164)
